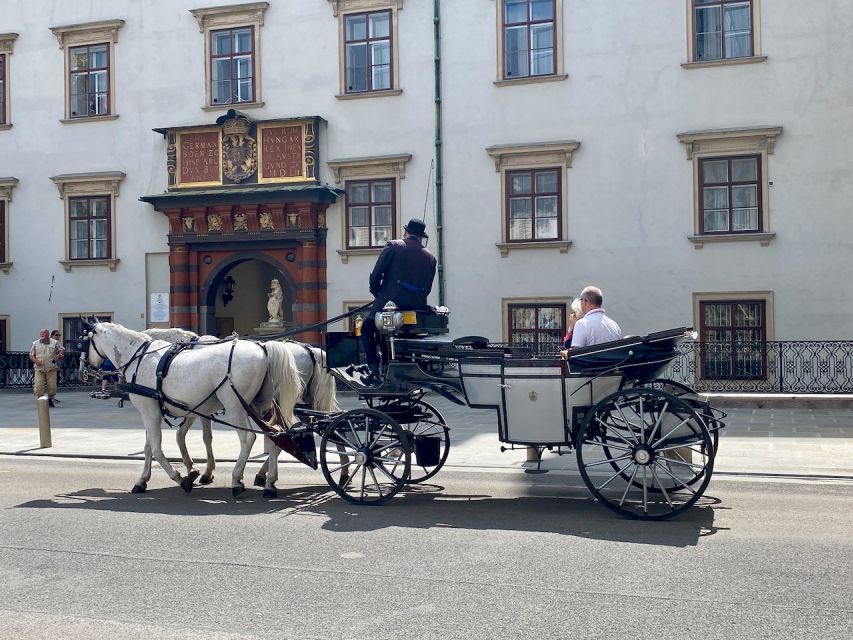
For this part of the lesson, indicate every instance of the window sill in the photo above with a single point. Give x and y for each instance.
(346, 253)
(369, 94)
(112, 263)
(531, 80)
(723, 63)
(762, 237)
(506, 247)
(4, 127)
(233, 105)
(5, 267)
(89, 119)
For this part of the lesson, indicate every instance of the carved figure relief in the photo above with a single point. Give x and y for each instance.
(188, 224)
(265, 220)
(321, 220)
(240, 222)
(239, 150)
(275, 301)
(213, 223)
(292, 219)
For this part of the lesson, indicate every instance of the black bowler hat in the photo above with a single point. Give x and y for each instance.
(416, 228)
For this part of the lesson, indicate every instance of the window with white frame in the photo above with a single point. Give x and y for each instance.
(530, 41)
(2, 88)
(369, 49)
(730, 183)
(733, 339)
(722, 29)
(7, 185)
(538, 325)
(232, 40)
(89, 69)
(7, 45)
(89, 201)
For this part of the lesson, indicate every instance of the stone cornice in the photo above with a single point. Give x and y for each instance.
(374, 165)
(7, 42)
(87, 33)
(211, 17)
(762, 137)
(101, 182)
(6, 187)
(561, 150)
(339, 6)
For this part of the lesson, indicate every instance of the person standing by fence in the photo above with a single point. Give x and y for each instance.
(44, 354)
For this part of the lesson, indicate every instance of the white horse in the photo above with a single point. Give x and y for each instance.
(218, 376)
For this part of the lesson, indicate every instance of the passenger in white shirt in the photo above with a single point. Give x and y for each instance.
(593, 327)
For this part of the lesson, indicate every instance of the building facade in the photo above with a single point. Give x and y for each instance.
(690, 157)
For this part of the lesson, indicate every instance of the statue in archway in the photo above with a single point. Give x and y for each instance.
(275, 302)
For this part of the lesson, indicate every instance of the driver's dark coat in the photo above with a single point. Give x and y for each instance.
(402, 261)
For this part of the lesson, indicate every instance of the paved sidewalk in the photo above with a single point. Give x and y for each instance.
(774, 441)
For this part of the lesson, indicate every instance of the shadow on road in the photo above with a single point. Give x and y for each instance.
(562, 510)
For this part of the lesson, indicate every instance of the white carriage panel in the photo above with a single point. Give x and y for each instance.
(482, 383)
(582, 392)
(533, 405)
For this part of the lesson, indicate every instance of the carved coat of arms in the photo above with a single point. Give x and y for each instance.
(239, 150)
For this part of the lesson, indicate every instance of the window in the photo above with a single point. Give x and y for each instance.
(232, 38)
(722, 28)
(528, 38)
(2, 88)
(6, 187)
(72, 326)
(369, 51)
(372, 188)
(89, 69)
(367, 46)
(533, 194)
(89, 80)
(90, 217)
(733, 337)
(7, 45)
(232, 65)
(539, 326)
(89, 228)
(371, 213)
(533, 205)
(730, 178)
(730, 194)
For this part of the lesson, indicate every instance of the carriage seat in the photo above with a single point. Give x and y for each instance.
(639, 357)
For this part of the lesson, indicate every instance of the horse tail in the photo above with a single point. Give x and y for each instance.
(284, 376)
(323, 391)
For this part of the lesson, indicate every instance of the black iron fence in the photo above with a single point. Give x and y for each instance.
(782, 366)
(16, 371)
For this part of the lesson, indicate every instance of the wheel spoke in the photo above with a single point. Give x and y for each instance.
(645, 493)
(627, 422)
(390, 476)
(680, 482)
(607, 428)
(617, 447)
(363, 476)
(376, 482)
(344, 486)
(671, 431)
(628, 486)
(378, 435)
(662, 489)
(658, 421)
(608, 461)
(610, 479)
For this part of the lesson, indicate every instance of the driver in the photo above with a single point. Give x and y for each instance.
(403, 274)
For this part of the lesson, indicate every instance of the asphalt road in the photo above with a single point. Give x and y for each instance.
(483, 555)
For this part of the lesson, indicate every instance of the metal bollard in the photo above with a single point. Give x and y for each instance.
(44, 422)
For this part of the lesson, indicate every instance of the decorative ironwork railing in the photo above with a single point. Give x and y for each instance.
(16, 370)
(782, 366)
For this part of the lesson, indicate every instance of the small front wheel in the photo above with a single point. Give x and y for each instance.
(365, 456)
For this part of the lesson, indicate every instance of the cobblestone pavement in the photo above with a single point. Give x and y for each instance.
(772, 441)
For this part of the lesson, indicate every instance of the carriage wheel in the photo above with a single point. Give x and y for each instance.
(365, 456)
(429, 434)
(645, 454)
(681, 390)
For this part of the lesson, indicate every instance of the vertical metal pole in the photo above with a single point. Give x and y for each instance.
(781, 367)
(439, 206)
(45, 441)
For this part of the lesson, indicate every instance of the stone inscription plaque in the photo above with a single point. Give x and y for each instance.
(282, 152)
(199, 154)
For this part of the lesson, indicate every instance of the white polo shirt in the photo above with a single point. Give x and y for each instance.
(595, 328)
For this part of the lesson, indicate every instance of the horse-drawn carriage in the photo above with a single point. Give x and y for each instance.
(644, 445)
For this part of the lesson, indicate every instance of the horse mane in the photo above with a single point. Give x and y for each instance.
(173, 334)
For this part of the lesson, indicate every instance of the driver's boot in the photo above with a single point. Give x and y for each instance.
(374, 377)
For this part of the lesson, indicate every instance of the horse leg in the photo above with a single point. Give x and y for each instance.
(207, 436)
(247, 439)
(181, 439)
(273, 452)
(261, 476)
(142, 484)
(154, 436)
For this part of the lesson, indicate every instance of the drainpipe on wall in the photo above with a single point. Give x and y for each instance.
(439, 209)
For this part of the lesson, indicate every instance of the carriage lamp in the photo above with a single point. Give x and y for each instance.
(228, 289)
(389, 319)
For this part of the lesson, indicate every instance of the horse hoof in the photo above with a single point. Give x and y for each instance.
(205, 479)
(270, 493)
(237, 489)
(139, 488)
(187, 483)
(192, 475)
(260, 481)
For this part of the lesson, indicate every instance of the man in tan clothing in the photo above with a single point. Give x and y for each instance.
(44, 355)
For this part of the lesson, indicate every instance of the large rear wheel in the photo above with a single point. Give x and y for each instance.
(645, 453)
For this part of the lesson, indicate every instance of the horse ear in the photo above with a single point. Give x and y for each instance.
(87, 326)
(96, 320)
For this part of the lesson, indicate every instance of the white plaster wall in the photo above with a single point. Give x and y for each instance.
(630, 187)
